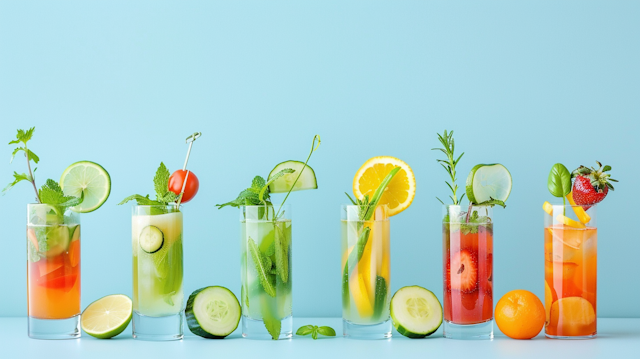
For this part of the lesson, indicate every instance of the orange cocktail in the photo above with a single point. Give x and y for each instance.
(53, 264)
(570, 250)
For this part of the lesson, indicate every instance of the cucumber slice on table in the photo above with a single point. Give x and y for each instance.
(213, 312)
(283, 184)
(416, 312)
(151, 239)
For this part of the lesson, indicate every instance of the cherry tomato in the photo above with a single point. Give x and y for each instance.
(177, 179)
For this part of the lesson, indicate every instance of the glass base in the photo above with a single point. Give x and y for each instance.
(55, 328)
(157, 328)
(372, 331)
(581, 337)
(480, 331)
(255, 329)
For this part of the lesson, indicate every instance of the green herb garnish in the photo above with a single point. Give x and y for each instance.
(161, 185)
(50, 193)
(314, 330)
(559, 181)
(449, 164)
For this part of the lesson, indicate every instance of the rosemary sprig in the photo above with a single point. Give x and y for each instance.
(449, 164)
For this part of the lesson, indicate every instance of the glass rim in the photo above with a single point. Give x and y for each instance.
(356, 205)
(156, 205)
(264, 205)
(572, 205)
(466, 206)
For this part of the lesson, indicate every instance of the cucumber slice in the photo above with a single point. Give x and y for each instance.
(151, 239)
(57, 239)
(213, 312)
(416, 312)
(283, 184)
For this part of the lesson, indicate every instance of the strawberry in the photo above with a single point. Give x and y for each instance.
(462, 271)
(590, 185)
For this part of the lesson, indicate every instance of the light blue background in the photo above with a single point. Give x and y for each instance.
(122, 83)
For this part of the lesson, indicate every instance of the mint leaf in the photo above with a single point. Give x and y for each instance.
(32, 156)
(306, 330)
(17, 178)
(51, 193)
(261, 268)
(281, 251)
(327, 331)
(493, 202)
(161, 182)
(248, 197)
(273, 326)
(142, 200)
(271, 250)
(257, 183)
(23, 136)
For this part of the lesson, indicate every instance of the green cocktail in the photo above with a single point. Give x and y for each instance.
(157, 260)
(156, 237)
(266, 272)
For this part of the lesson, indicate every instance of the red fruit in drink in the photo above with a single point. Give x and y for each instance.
(590, 185)
(462, 271)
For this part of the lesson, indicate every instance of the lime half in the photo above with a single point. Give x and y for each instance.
(488, 181)
(107, 317)
(88, 178)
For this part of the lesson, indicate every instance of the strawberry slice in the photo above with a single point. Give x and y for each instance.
(462, 271)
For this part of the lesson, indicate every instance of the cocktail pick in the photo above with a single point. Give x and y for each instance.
(190, 141)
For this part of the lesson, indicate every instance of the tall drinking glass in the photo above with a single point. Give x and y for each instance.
(158, 309)
(570, 272)
(265, 270)
(365, 274)
(467, 236)
(53, 272)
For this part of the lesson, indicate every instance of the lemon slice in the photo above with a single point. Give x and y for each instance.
(400, 191)
(107, 317)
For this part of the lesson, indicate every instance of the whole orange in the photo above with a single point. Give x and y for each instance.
(520, 314)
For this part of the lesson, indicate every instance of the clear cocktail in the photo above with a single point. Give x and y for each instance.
(366, 276)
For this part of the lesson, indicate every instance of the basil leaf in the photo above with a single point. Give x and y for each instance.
(559, 182)
(327, 331)
(305, 330)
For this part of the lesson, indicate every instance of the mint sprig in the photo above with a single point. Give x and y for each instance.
(258, 193)
(161, 186)
(23, 137)
(314, 330)
(51, 192)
